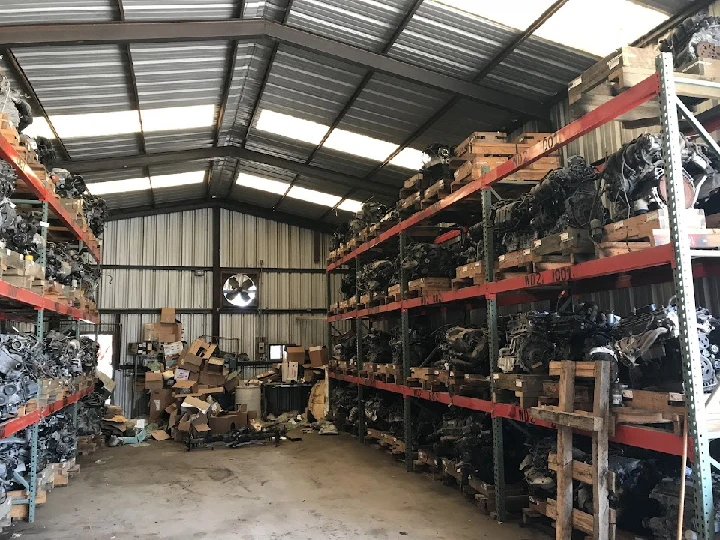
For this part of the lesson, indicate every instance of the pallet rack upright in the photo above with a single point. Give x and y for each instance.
(677, 256)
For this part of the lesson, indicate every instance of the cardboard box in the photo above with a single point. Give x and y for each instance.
(181, 374)
(215, 365)
(193, 402)
(211, 379)
(162, 332)
(191, 362)
(153, 380)
(222, 424)
(201, 348)
(172, 349)
(232, 382)
(185, 386)
(319, 356)
(289, 371)
(159, 400)
(167, 315)
(294, 354)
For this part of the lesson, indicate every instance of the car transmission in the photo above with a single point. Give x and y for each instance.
(696, 37)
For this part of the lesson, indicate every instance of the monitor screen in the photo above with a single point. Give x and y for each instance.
(276, 352)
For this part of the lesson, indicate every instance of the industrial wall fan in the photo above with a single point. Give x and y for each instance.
(241, 290)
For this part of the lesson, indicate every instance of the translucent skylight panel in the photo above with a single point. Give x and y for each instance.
(312, 196)
(291, 127)
(179, 179)
(359, 145)
(614, 22)
(263, 184)
(119, 186)
(409, 158)
(178, 118)
(350, 205)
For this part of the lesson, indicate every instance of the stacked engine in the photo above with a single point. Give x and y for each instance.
(428, 260)
(566, 197)
(24, 360)
(633, 181)
(464, 349)
(636, 479)
(372, 212)
(696, 37)
(72, 186)
(375, 277)
(533, 339)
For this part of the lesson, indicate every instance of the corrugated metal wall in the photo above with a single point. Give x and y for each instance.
(183, 239)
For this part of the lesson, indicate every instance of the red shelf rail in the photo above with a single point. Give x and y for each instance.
(619, 105)
(11, 427)
(27, 297)
(640, 437)
(25, 173)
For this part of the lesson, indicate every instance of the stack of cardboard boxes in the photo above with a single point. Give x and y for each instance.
(187, 386)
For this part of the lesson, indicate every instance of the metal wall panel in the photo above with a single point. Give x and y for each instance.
(251, 241)
(145, 289)
(181, 238)
(304, 330)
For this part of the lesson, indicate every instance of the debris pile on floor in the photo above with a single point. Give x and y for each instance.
(195, 398)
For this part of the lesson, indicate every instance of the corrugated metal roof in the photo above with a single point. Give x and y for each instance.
(22, 12)
(175, 10)
(367, 24)
(77, 79)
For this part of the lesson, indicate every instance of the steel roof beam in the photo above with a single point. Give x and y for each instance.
(233, 206)
(136, 32)
(139, 161)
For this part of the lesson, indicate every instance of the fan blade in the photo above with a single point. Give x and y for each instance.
(232, 295)
(247, 283)
(245, 296)
(234, 282)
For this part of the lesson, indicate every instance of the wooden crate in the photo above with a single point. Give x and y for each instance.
(519, 389)
(437, 191)
(652, 229)
(415, 184)
(429, 285)
(480, 137)
(468, 275)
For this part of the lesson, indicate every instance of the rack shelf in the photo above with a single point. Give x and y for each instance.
(509, 291)
(625, 102)
(29, 298)
(640, 437)
(25, 173)
(11, 427)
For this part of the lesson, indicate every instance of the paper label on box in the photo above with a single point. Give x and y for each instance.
(157, 404)
(575, 82)
(564, 237)
(538, 243)
(44, 224)
(181, 374)
(614, 62)
(627, 393)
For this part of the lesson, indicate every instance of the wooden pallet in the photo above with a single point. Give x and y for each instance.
(428, 286)
(437, 191)
(468, 275)
(413, 185)
(652, 229)
(629, 66)
(519, 389)
(601, 523)
(551, 252)
(656, 408)
(483, 496)
(410, 204)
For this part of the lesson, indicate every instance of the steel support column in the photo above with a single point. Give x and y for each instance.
(359, 361)
(405, 333)
(493, 347)
(704, 524)
(217, 297)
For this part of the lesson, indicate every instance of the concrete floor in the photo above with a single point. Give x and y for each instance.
(319, 488)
